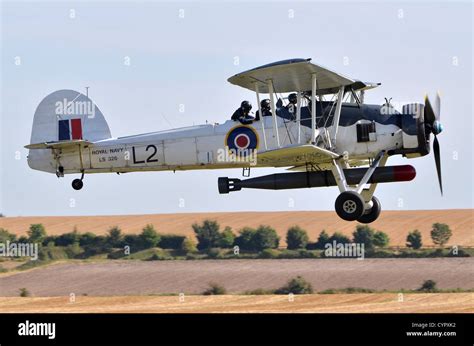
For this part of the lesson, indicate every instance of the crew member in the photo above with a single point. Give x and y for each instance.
(242, 113)
(291, 106)
(266, 109)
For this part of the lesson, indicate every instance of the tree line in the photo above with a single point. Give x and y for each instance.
(210, 236)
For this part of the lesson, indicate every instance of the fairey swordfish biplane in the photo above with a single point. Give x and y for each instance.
(321, 131)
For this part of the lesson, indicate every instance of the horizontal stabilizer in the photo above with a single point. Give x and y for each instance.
(59, 144)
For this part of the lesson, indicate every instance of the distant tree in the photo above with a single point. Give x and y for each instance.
(22, 239)
(265, 237)
(49, 240)
(74, 250)
(245, 239)
(227, 238)
(414, 239)
(296, 285)
(213, 252)
(207, 234)
(66, 239)
(6, 236)
(323, 239)
(133, 242)
(214, 289)
(36, 233)
(149, 237)
(440, 233)
(296, 238)
(93, 244)
(428, 286)
(171, 241)
(268, 253)
(339, 238)
(24, 292)
(188, 246)
(87, 239)
(364, 235)
(381, 239)
(114, 237)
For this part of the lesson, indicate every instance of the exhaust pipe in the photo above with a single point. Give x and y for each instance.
(283, 181)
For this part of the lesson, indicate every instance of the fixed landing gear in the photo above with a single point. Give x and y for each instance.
(371, 214)
(355, 202)
(77, 184)
(350, 206)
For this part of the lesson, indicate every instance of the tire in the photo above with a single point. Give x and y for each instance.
(223, 185)
(372, 214)
(77, 184)
(349, 206)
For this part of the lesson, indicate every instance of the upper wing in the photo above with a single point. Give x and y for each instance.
(295, 75)
(296, 156)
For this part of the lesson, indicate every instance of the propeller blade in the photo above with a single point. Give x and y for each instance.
(437, 157)
(437, 108)
(430, 116)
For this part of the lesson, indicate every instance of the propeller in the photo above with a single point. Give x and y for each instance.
(434, 126)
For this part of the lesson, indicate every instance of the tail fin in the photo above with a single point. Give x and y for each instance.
(67, 115)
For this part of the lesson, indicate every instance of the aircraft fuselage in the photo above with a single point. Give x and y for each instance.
(207, 146)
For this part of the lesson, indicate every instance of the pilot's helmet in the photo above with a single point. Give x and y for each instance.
(246, 106)
(292, 98)
(265, 104)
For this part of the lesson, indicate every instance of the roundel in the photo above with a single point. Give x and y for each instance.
(241, 139)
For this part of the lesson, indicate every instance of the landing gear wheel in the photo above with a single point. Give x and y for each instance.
(349, 206)
(77, 184)
(372, 214)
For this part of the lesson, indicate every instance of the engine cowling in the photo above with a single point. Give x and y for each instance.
(414, 133)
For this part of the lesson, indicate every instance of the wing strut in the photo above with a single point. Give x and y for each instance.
(262, 119)
(338, 172)
(337, 116)
(274, 115)
(298, 114)
(313, 107)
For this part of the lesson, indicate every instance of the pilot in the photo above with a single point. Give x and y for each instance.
(266, 109)
(291, 106)
(242, 113)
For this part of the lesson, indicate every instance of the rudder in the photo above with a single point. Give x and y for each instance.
(68, 115)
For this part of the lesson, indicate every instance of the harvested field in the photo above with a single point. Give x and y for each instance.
(348, 303)
(395, 223)
(116, 278)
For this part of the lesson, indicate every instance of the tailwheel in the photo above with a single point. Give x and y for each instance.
(349, 206)
(373, 213)
(77, 184)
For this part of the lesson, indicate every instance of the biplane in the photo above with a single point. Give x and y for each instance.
(329, 137)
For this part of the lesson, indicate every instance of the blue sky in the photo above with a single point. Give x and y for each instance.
(411, 48)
